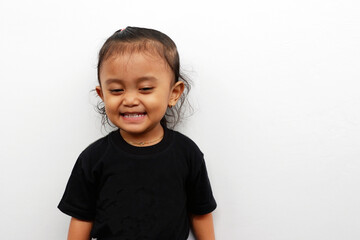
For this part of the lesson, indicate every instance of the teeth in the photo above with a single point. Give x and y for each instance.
(133, 115)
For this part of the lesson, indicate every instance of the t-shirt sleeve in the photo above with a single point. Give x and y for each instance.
(79, 199)
(200, 197)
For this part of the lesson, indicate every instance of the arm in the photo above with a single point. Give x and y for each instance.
(203, 226)
(79, 229)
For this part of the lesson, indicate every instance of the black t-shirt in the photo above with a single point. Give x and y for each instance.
(139, 192)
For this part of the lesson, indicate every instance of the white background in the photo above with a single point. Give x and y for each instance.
(276, 96)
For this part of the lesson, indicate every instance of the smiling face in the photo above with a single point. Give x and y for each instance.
(137, 89)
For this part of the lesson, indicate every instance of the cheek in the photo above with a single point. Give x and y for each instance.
(156, 101)
(111, 104)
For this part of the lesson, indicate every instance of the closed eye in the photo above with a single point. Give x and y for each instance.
(146, 89)
(116, 90)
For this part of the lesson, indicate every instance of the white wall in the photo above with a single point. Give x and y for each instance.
(276, 98)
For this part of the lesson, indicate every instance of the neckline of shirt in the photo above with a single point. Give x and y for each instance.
(156, 148)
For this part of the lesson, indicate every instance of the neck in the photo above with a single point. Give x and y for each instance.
(144, 139)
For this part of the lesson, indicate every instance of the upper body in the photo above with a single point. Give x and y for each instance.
(142, 181)
(131, 192)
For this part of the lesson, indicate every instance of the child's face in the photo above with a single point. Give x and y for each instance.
(137, 89)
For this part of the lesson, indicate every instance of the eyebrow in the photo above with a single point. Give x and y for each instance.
(141, 79)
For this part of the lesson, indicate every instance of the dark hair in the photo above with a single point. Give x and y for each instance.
(135, 39)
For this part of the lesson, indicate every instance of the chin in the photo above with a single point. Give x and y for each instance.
(134, 130)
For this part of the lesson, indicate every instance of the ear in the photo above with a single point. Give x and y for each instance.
(176, 92)
(99, 92)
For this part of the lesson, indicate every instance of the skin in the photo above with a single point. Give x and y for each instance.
(137, 89)
(140, 84)
(203, 226)
(79, 230)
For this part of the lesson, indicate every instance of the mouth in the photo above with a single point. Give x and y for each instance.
(136, 115)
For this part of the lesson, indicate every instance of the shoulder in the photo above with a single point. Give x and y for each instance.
(95, 151)
(183, 140)
(186, 145)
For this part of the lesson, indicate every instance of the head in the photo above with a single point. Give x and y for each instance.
(139, 71)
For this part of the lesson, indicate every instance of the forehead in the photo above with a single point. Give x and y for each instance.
(135, 65)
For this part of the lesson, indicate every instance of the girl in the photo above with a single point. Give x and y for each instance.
(143, 180)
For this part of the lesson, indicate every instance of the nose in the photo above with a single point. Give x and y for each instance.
(130, 99)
